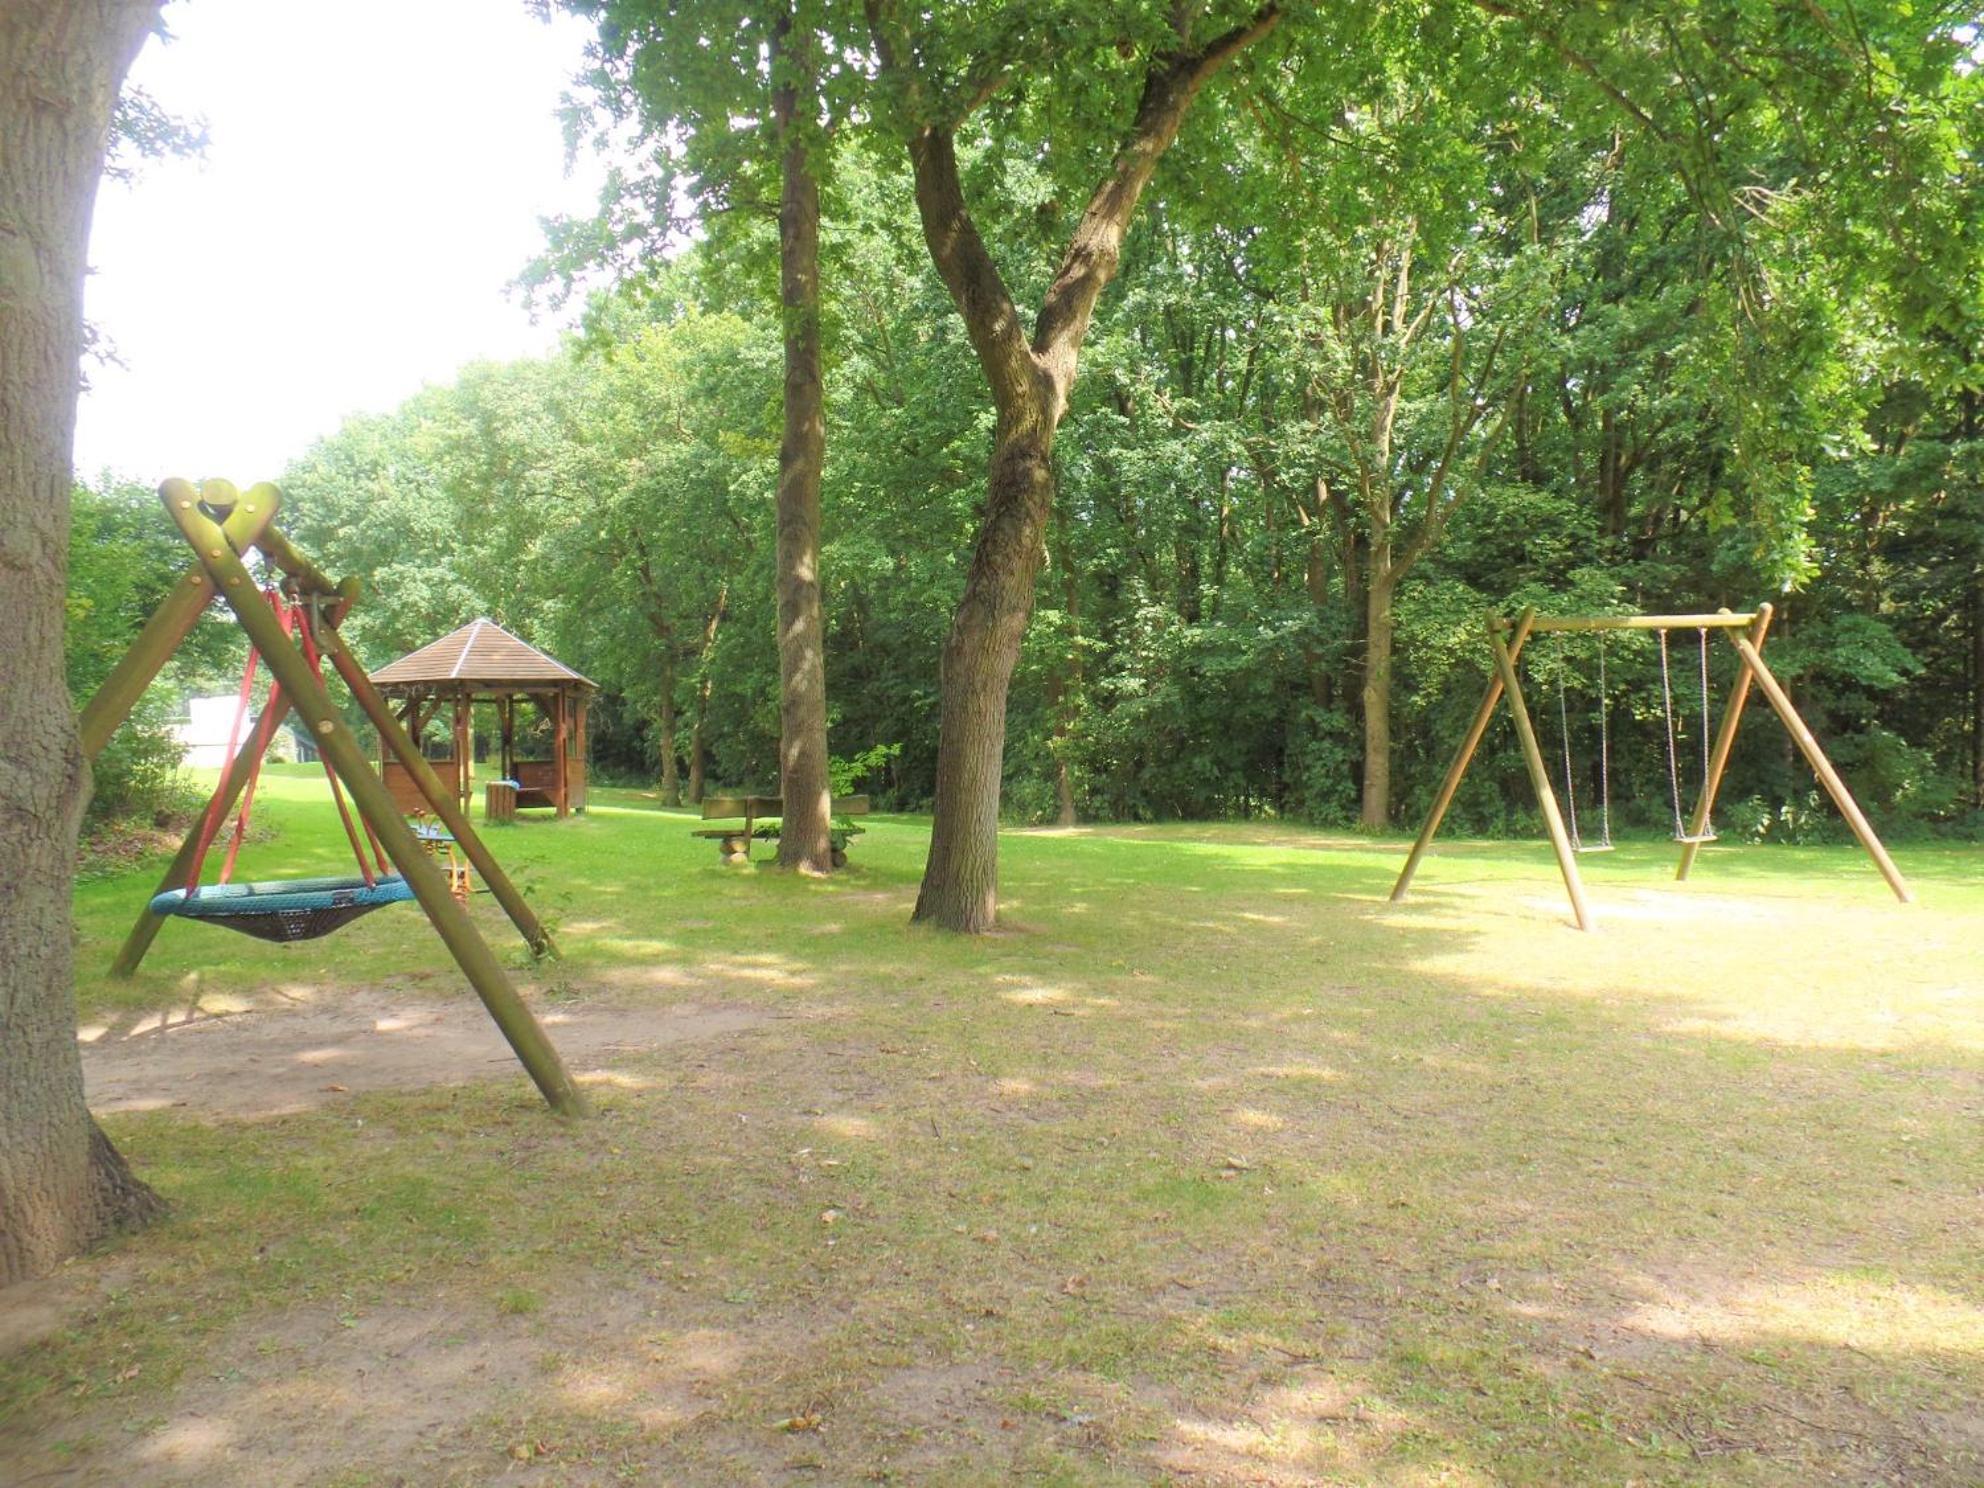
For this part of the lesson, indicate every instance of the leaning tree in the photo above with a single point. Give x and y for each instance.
(1062, 70)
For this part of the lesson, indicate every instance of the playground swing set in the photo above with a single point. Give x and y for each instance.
(1745, 633)
(292, 626)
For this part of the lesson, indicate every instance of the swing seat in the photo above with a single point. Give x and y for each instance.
(1708, 836)
(1591, 847)
(284, 909)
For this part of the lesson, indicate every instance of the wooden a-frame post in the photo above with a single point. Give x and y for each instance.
(392, 736)
(234, 780)
(1746, 633)
(1505, 682)
(1463, 757)
(394, 744)
(214, 543)
(1725, 742)
(1822, 767)
(1539, 775)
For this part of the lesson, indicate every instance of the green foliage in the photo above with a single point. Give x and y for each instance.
(123, 558)
(846, 775)
(1714, 344)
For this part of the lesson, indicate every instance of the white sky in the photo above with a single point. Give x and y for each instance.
(374, 178)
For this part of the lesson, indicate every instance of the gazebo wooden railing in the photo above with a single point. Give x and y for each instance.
(483, 662)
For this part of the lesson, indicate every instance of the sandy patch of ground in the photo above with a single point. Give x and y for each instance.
(442, 1390)
(293, 1056)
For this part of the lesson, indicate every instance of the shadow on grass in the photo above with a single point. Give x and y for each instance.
(1219, 1168)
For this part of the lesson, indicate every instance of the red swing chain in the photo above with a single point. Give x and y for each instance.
(294, 624)
(264, 732)
(316, 660)
(210, 827)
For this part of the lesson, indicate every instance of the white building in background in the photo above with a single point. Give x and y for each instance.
(203, 736)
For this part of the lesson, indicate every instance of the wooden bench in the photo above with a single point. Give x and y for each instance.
(761, 816)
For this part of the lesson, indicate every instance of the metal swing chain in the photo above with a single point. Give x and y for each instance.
(1604, 753)
(1564, 733)
(1673, 761)
(1707, 833)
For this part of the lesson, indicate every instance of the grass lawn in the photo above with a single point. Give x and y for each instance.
(1211, 1168)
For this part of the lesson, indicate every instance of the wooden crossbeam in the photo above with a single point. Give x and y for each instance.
(1746, 632)
(1720, 620)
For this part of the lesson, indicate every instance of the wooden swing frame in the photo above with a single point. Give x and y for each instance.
(1745, 633)
(222, 525)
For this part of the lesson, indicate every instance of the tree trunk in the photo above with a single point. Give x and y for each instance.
(62, 1185)
(697, 732)
(665, 722)
(696, 749)
(804, 842)
(1030, 382)
(1316, 581)
(1378, 625)
(961, 878)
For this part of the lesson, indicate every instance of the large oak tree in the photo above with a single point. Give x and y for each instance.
(933, 82)
(685, 78)
(62, 1185)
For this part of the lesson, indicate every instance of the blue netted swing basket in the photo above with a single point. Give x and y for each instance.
(287, 909)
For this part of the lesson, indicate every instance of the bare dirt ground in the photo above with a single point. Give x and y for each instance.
(864, 1206)
(284, 1055)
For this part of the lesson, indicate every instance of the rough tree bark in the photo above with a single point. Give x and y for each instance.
(1379, 628)
(804, 836)
(1065, 683)
(1030, 382)
(698, 751)
(62, 1184)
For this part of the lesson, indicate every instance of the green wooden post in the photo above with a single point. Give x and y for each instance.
(340, 746)
(176, 615)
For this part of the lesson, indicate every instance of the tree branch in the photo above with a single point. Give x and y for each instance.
(959, 252)
(1170, 86)
(968, 271)
(1436, 516)
(1578, 60)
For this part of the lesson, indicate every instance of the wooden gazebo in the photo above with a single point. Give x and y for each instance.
(482, 662)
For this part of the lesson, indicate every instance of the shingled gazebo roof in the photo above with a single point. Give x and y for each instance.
(481, 655)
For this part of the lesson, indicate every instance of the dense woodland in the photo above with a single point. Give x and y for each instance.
(1402, 335)
(1429, 317)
